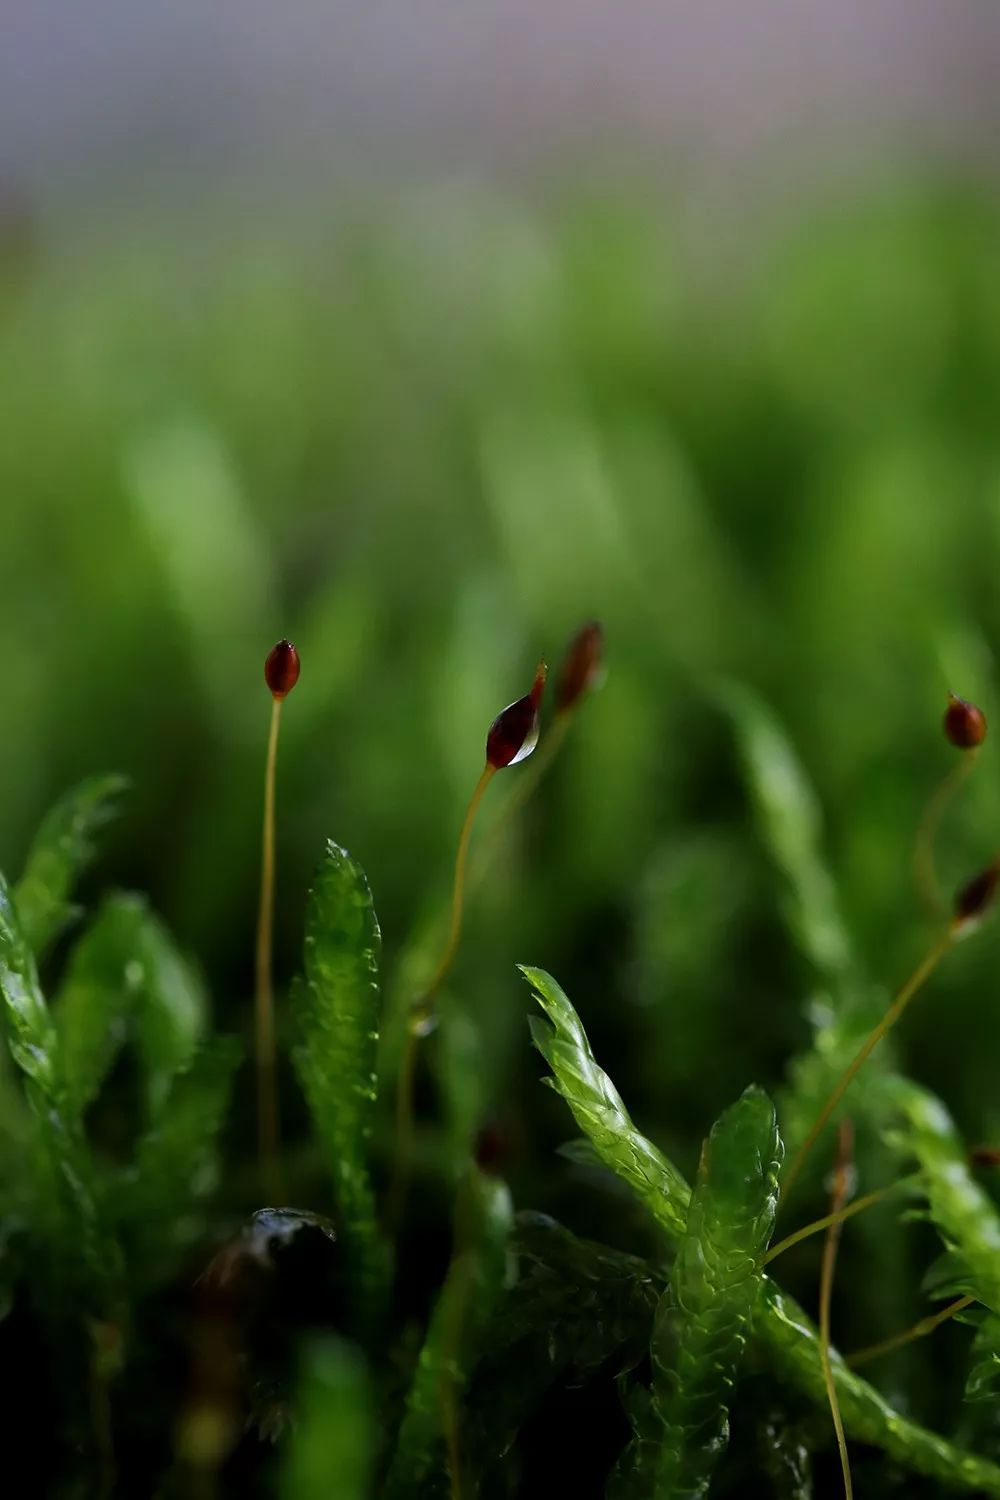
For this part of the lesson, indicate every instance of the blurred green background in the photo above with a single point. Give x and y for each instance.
(427, 446)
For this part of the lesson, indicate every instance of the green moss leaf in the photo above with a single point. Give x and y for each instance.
(62, 849)
(598, 1109)
(79, 1253)
(704, 1315)
(963, 1213)
(789, 818)
(337, 1011)
(786, 1336)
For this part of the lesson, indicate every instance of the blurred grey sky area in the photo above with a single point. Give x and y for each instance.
(108, 98)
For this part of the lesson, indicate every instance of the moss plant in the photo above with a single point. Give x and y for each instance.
(196, 1341)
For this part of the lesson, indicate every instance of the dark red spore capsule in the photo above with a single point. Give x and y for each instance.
(514, 732)
(964, 723)
(975, 897)
(985, 1156)
(281, 669)
(582, 667)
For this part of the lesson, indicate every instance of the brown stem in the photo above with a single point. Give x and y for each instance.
(267, 1092)
(841, 1188)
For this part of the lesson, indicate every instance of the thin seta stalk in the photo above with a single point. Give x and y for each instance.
(971, 904)
(281, 673)
(858, 1206)
(918, 1330)
(838, 1199)
(964, 727)
(511, 738)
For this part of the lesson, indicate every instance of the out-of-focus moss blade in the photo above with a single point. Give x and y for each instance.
(337, 1011)
(598, 1109)
(962, 1211)
(176, 1161)
(63, 847)
(483, 1222)
(124, 971)
(790, 821)
(704, 1315)
(332, 1444)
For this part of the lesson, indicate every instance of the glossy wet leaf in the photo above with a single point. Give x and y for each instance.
(704, 1316)
(472, 1289)
(337, 1011)
(79, 1251)
(598, 1109)
(63, 848)
(333, 1439)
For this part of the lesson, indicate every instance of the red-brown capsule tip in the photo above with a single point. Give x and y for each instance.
(974, 898)
(985, 1156)
(514, 732)
(964, 723)
(582, 667)
(281, 669)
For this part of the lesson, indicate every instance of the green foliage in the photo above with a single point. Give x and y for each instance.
(333, 1442)
(783, 1331)
(471, 1290)
(597, 1107)
(176, 1162)
(704, 1316)
(962, 1211)
(125, 976)
(62, 850)
(84, 1259)
(575, 1309)
(757, 493)
(789, 815)
(338, 1012)
(789, 1340)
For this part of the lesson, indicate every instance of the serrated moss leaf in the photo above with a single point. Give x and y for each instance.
(471, 1291)
(82, 1256)
(704, 1315)
(786, 1336)
(63, 847)
(790, 821)
(598, 1109)
(337, 1010)
(333, 1438)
